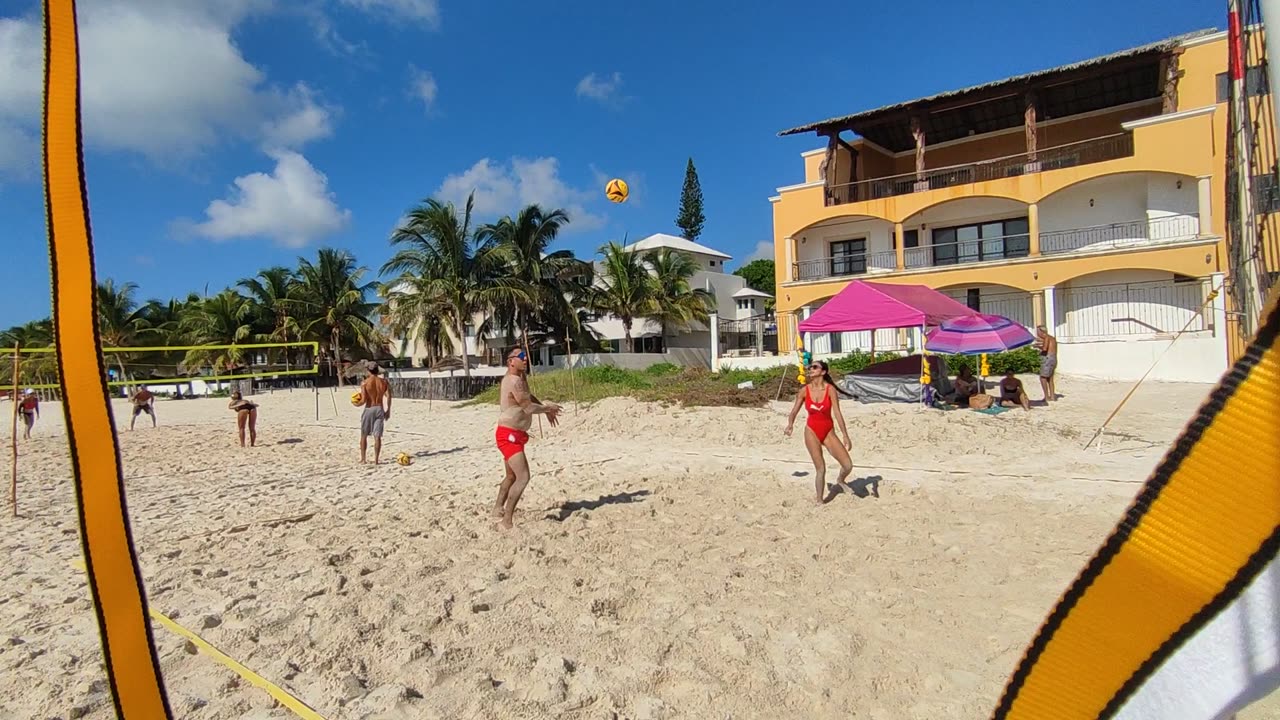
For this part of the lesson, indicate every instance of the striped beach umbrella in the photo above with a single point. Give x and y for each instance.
(977, 334)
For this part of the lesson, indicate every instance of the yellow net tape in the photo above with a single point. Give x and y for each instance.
(311, 346)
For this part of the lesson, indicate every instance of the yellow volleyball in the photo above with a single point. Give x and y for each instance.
(404, 459)
(616, 190)
(357, 398)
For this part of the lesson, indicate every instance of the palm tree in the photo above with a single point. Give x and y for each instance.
(271, 292)
(677, 305)
(545, 276)
(413, 313)
(626, 288)
(457, 273)
(119, 317)
(332, 304)
(224, 319)
(32, 367)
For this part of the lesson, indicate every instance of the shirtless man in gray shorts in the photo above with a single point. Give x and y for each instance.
(374, 389)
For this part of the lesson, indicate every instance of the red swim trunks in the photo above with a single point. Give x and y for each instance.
(510, 442)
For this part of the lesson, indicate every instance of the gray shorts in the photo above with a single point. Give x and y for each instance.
(1048, 364)
(371, 421)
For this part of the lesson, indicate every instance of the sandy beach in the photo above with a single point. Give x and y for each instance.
(667, 562)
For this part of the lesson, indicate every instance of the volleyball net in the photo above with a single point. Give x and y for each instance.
(36, 368)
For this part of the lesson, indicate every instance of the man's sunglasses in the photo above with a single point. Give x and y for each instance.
(517, 356)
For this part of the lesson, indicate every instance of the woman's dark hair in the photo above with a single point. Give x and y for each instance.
(826, 371)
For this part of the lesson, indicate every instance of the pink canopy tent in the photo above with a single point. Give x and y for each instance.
(866, 305)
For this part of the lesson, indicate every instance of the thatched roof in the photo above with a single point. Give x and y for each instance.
(1132, 58)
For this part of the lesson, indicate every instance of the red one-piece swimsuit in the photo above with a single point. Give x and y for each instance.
(820, 421)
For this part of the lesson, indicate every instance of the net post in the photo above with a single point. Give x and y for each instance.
(13, 440)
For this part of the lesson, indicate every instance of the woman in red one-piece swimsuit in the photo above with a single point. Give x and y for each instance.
(822, 399)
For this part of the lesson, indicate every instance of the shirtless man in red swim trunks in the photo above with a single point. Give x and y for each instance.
(517, 408)
(822, 399)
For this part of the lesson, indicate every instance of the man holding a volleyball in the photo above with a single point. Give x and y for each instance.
(373, 390)
(517, 406)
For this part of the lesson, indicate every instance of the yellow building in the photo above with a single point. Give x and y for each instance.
(1088, 198)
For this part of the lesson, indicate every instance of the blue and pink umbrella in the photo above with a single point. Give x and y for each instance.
(977, 334)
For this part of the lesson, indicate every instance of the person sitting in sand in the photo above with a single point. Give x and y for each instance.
(516, 408)
(246, 416)
(143, 402)
(1012, 393)
(822, 400)
(29, 409)
(373, 418)
(966, 386)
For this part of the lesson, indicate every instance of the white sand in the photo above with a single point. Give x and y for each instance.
(667, 562)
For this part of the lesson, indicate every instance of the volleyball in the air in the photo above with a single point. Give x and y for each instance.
(616, 190)
(357, 398)
(404, 459)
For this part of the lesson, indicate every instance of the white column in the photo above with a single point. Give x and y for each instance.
(1271, 19)
(715, 342)
(1218, 306)
(1204, 204)
(789, 272)
(805, 312)
(1050, 312)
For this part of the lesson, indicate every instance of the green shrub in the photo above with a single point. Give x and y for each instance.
(1023, 360)
(610, 375)
(859, 359)
(662, 369)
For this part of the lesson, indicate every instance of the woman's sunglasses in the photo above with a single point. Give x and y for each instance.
(815, 366)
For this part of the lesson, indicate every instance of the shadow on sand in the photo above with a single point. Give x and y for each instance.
(433, 453)
(565, 511)
(862, 488)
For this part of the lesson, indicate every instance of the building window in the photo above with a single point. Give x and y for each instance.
(910, 238)
(711, 263)
(849, 257)
(1266, 193)
(973, 298)
(995, 240)
(1255, 84)
(469, 330)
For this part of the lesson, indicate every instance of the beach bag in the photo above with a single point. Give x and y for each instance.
(981, 401)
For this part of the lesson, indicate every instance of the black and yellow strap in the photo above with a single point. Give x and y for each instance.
(1204, 525)
(114, 577)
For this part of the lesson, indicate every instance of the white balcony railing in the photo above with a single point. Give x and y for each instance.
(1171, 228)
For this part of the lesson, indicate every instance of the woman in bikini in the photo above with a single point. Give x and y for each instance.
(822, 399)
(246, 416)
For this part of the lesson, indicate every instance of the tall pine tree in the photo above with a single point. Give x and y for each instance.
(690, 219)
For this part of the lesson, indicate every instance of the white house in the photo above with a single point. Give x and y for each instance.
(733, 300)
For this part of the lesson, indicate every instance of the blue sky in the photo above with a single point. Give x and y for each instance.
(225, 137)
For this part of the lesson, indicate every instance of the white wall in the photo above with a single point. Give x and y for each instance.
(997, 300)
(1194, 358)
(754, 307)
(1169, 211)
(1115, 198)
(815, 242)
(1129, 303)
(962, 212)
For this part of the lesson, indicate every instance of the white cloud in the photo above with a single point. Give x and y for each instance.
(601, 89)
(292, 206)
(422, 85)
(502, 190)
(308, 120)
(162, 78)
(426, 12)
(762, 251)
